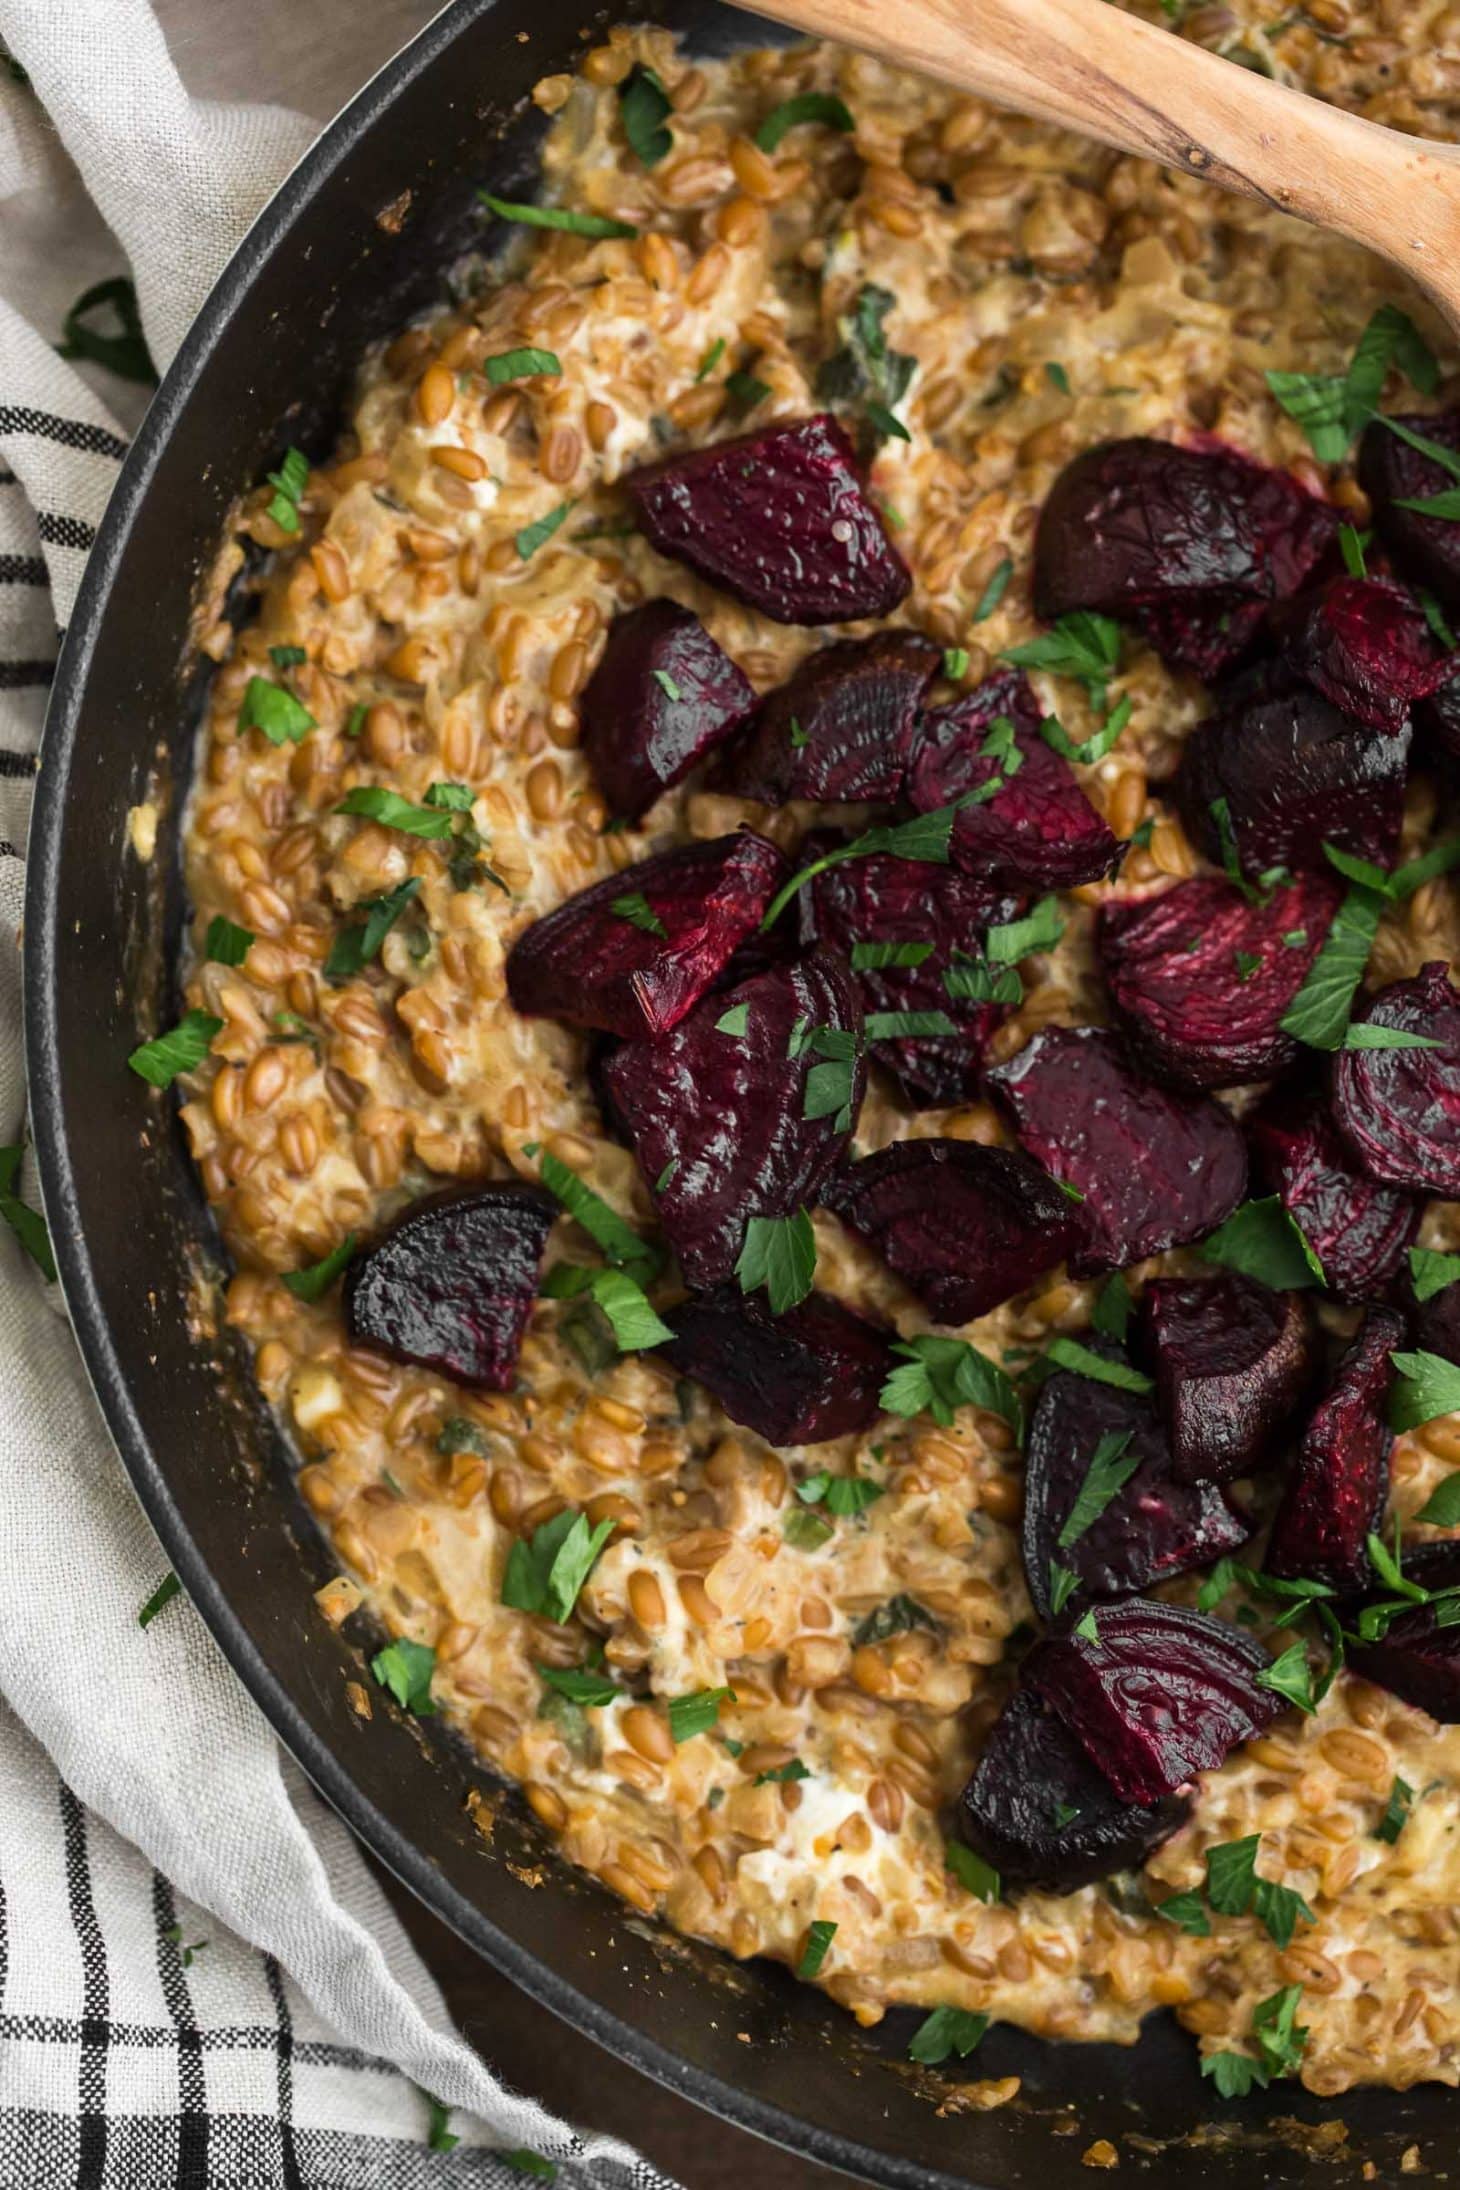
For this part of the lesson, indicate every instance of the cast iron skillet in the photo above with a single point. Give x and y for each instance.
(355, 241)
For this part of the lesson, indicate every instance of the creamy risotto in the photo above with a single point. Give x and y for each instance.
(433, 599)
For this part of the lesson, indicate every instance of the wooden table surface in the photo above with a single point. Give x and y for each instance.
(531, 2050)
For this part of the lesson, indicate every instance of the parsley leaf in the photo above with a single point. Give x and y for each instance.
(643, 109)
(1263, 1241)
(591, 1690)
(313, 1283)
(697, 1712)
(807, 106)
(1430, 1272)
(993, 591)
(523, 364)
(1367, 1036)
(1427, 1386)
(28, 1225)
(634, 907)
(973, 1874)
(537, 535)
(780, 1254)
(1070, 1354)
(1112, 1311)
(939, 1375)
(288, 483)
(806, 1531)
(711, 358)
(865, 370)
(1396, 1812)
(1442, 1509)
(735, 1021)
(161, 1060)
(1082, 645)
(1063, 1582)
(405, 1668)
(373, 802)
(619, 1241)
(545, 1571)
(226, 944)
(555, 216)
(976, 981)
(945, 2032)
(124, 353)
(844, 1495)
(1040, 930)
(819, 1936)
(871, 957)
(1186, 1912)
(1291, 1676)
(359, 942)
(1111, 1466)
(925, 836)
(268, 707)
(1234, 2074)
(168, 1588)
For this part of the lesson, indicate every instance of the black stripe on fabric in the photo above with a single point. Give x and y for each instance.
(65, 2030)
(18, 765)
(20, 676)
(4, 1943)
(293, 2179)
(192, 2089)
(23, 570)
(58, 531)
(7, 478)
(72, 433)
(95, 1998)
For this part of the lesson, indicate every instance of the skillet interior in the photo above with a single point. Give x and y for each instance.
(353, 244)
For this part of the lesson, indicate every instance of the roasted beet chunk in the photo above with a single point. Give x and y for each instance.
(1335, 1494)
(1437, 730)
(779, 518)
(1295, 774)
(1357, 1230)
(716, 1115)
(1426, 549)
(638, 969)
(1155, 1169)
(936, 916)
(1037, 1809)
(795, 1379)
(1187, 544)
(663, 695)
(451, 1284)
(964, 1227)
(1201, 976)
(840, 729)
(1160, 1695)
(1038, 831)
(1399, 1109)
(1151, 1526)
(1419, 1661)
(1231, 1362)
(1365, 644)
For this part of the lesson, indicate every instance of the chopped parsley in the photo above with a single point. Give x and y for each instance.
(865, 370)
(1430, 1272)
(779, 1253)
(639, 913)
(545, 1571)
(161, 1060)
(1040, 930)
(900, 1615)
(925, 836)
(313, 1283)
(1396, 1812)
(288, 483)
(537, 535)
(643, 109)
(1427, 1386)
(822, 107)
(373, 802)
(226, 944)
(973, 1874)
(697, 1712)
(270, 708)
(1111, 1466)
(28, 1225)
(591, 1690)
(1263, 1240)
(405, 1668)
(819, 1936)
(938, 1375)
(745, 390)
(556, 216)
(947, 2031)
(994, 590)
(525, 364)
(168, 1588)
(619, 1241)
(359, 942)
(843, 1495)
(1068, 1353)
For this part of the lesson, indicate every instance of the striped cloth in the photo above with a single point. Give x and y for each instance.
(201, 1985)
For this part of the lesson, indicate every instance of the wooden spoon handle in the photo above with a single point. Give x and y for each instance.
(1091, 67)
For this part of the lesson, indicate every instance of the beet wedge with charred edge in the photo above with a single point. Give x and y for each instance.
(1232, 1362)
(451, 1284)
(1418, 1661)
(779, 518)
(1083, 1438)
(795, 1379)
(1358, 1230)
(1189, 545)
(1026, 823)
(964, 1227)
(1399, 1108)
(1201, 976)
(841, 728)
(1160, 1694)
(664, 695)
(913, 933)
(633, 954)
(1037, 1809)
(1279, 772)
(716, 1112)
(1366, 645)
(1425, 549)
(1340, 1478)
(1154, 1168)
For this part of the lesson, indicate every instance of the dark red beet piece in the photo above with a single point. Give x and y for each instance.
(795, 1379)
(1039, 831)
(1437, 730)
(1357, 1230)
(451, 1284)
(840, 729)
(716, 1118)
(1153, 1528)
(1031, 1775)
(780, 519)
(1231, 1361)
(1155, 1168)
(963, 1226)
(1418, 1661)
(1426, 549)
(1365, 644)
(662, 697)
(594, 967)
(1335, 1494)
(1399, 1109)
(1201, 976)
(1187, 544)
(1434, 1324)
(1161, 1695)
(887, 900)
(1294, 773)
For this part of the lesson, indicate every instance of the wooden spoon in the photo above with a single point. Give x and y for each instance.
(1090, 67)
